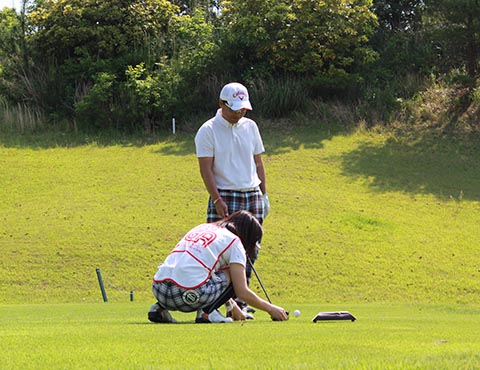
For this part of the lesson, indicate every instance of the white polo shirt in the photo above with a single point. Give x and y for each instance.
(204, 250)
(233, 148)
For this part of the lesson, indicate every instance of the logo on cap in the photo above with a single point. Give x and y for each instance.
(240, 95)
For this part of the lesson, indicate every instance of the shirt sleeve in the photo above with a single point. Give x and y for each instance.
(259, 148)
(238, 255)
(204, 142)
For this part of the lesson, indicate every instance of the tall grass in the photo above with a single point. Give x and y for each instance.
(20, 118)
(278, 97)
(408, 103)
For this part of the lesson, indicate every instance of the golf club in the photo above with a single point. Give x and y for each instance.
(261, 284)
(259, 280)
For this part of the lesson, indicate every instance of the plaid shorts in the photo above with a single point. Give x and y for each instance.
(251, 201)
(174, 298)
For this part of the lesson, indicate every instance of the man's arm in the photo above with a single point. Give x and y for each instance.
(261, 172)
(206, 171)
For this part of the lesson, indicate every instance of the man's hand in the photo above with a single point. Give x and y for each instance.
(222, 208)
(266, 205)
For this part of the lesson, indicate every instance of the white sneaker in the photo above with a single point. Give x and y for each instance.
(213, 317)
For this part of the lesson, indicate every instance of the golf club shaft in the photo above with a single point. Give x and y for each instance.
(259, 280)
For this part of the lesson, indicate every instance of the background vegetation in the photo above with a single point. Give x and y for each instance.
(130, 65)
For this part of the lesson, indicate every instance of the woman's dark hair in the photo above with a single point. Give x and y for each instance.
(246, 227)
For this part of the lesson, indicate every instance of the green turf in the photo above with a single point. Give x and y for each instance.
(117, 336)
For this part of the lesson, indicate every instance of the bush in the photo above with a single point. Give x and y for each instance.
(152, 94)
(94, 103)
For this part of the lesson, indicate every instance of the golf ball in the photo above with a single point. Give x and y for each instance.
(296, 313)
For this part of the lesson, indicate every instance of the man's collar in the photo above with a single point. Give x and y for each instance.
(224, 122)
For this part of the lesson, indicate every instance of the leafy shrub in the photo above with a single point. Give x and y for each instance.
(476, 94)
(152, 94)
(94, 105)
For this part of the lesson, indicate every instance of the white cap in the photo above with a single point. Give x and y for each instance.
(236, 96)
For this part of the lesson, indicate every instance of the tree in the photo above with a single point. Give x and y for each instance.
(456, 32)
(10, 33)
(398, 15)
(188, 7)
(88, 45)
(11, 56)
(399, 38)
(99, 30)
(194, 58)
(303, 37)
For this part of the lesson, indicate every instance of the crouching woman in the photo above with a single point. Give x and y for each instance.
(206, 270)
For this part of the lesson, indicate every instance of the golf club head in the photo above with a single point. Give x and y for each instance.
(327, 316)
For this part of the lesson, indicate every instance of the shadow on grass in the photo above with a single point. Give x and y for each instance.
(446, 167)
(48, 140)
(192, 322)
(277, 139)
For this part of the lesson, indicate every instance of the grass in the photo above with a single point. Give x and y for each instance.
(117, 336)
(362, 217)
(381, 225)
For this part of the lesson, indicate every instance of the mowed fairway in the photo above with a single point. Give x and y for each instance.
(116, 336)
(385, 227)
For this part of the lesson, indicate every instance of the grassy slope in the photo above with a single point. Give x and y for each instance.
(360, 217)
(370, 218)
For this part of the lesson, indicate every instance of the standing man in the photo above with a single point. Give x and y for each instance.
(229, 150)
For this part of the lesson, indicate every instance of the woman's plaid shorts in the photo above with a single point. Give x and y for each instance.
(174, 298)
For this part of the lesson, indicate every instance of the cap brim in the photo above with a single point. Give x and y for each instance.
(241, 105)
